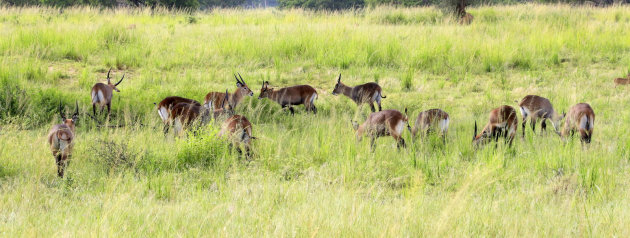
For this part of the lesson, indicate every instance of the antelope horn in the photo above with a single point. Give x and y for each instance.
(237, 81)
(242, 81)
(76, 111)
(224, 99)
(475, 133)
(121, 79)
(339, 79)
(110, 70)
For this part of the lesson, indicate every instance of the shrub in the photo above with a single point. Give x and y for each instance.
(113, 156)
(201, 148)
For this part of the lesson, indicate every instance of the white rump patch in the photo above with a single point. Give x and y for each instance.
(444, 125)
(524, 112)
(585, 123)
(163, 113)
(400, 127)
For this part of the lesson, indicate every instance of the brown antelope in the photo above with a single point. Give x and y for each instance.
(581, 118)
(502, 122)
(536, 107)
(102, 94)
(465, 18)
(61, 139)
(622, 81)
(165, 107)
(213, 99)
(383, 123)
(364, 93)
(184, 114)
(239, 132)
(290, 96)
(429, 119)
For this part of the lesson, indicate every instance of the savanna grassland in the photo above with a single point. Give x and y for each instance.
(309, 175)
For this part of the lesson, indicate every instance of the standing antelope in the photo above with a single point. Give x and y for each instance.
(102, 94)
(165, 108)
(502, 122)
(239, 132)
(61, 139)
(581, 118)
(184, 114)
(535, 107)
(290, 96)
(364, 93)
(383, 123)
(213, 99)
(429, 119)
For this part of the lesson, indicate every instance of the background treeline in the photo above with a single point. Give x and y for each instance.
(308, 4)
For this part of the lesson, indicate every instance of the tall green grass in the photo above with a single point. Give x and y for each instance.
(309, 175)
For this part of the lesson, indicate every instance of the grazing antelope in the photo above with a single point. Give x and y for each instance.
(364, 93)
(502, 122)
(102, 94)
(429, 119)
(290, 96)
(165, 107)
(239, 132)
(622, 81)
(61, 139)
(535, 107)
(185, 114)
(383, 123)
(213, 99)
(581, 118)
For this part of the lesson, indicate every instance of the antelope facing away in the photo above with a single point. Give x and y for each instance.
(502, 122)
(364, 93)
(185, 114)
(581, 118)
(429, 120)
(214, 99)
(165, 108)
(536, 107)
(383, 123)
(290, 96)
(622, 81)
(102, 94)
(61, 139)
(238, 131)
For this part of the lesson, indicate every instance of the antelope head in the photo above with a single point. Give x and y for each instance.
(113, 86)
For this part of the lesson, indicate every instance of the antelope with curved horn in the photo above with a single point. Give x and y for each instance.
(383, 123)
(535, 107)
(432, 119)
(186, 114)
(102, 94)
(291, 96)
(238, 131)
(502, 122)
(61, 139)
(364, 93)
(165, 107)
(213, 99)
(581, 118)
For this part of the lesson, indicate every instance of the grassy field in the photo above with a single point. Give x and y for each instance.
(310, 176)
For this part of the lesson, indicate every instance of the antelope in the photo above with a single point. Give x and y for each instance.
(364, 93)
(581, 118)
(239, 131)
(165, 107)
(61, 139)
(535, 107)
(290, 96)
(383, 123)
(622, 81)
(186, 113)
(429, 119)
(213, 99)
(102, 94)
(502, 122)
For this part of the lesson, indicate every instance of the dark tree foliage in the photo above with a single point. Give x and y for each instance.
(322, 4)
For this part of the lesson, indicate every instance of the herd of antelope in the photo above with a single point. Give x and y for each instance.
(180, 113)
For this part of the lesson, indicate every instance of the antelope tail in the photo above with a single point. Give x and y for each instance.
(587, 124)
(381, 93)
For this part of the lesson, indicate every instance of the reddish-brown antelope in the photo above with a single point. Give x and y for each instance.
(502, 122)
(61, 139)
(184, 114)
(432, 119)
(536, 107)
(581, 118)
(102, 94)
(213, 99)
(165, 107)
(383, 123)
(360, 94)
(622, 81)
(291, 96)
(238, 130)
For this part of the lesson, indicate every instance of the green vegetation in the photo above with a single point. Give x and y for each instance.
(309, 175)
